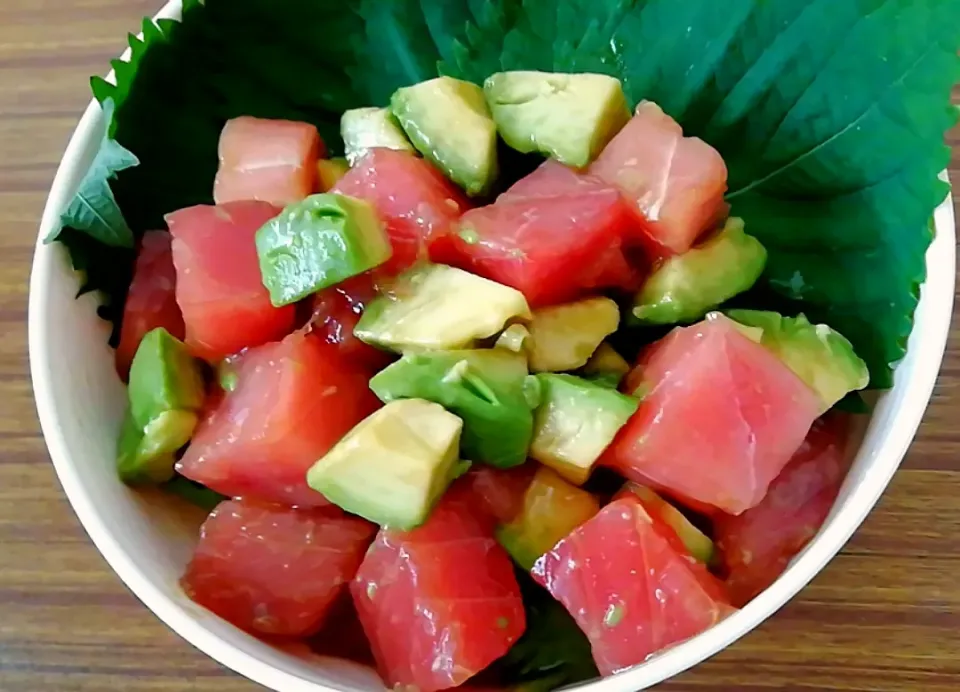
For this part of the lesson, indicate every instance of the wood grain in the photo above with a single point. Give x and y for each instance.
(884, 616)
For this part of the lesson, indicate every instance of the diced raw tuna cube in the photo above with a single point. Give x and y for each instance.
(273, 570)
(676, 183)
(630, 586)
(224, 303)
(413, 198)
(151, 300)
(292, 403)
(721, 418)
(553, 247)
(271, 161)
(439, 603)
(758, 545)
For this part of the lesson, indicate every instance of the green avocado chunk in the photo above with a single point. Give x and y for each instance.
(514, 338)
(576, 421)
(165, 395)
(319, 242)
(819, 355)
(134, 464)
(363, 129)
(564, 337)
(483, 387)
(449, 123)
(552, 509)
(330, 172)
(686, 287)
(606, 367)
(439, 307)
(393, 467)
(570, 117)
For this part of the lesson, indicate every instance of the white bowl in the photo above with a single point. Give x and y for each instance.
(147, 541)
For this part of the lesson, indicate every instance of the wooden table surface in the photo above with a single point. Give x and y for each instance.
(884, 616)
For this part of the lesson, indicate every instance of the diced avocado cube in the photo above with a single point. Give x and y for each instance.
(564, 337)
(147, 456)
(570, 117)
(393, 467)
(606, 366)
(686, 287)
(449, 123)
(485, 388)
(163, 377)
(317, 243)
(533, 392)
(363, 129)
(166, 392)
(438, 307)
(330, 171)
(552, 509)
(605, 379)
(699, 545)
(577, 420)
(819, 355)
(167, 433)
(514, 338)
(132, 467)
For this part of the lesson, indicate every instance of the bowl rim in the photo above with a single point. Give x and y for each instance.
(937, 297)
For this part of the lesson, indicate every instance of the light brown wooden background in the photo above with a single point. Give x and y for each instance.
(884, 616)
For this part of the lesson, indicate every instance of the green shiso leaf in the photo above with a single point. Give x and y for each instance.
(396, 47)
(552, 652)
(93, 209)
(103, 269)
(830, 114)
(94, 232)
(471, 51)
(193, 492)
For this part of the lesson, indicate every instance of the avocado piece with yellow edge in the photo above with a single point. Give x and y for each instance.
(699, 545)
(569, 117)
(436, 307)
(135, 465)
(485, 388)
(363, 129)
(394, 465)
(564, 337)
(317, 243)
(819, 355)
(552, 509)
(686, 287)
(149, 455)
(330, 172)
(514, 338)
(606, 366)
(448, 121)
(165, 393)
(163, 377)
(576, 421)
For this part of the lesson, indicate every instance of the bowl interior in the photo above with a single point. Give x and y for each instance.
(148, 539)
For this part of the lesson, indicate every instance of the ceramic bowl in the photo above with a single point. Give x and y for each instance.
(148, 540)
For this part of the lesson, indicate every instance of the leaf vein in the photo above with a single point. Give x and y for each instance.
(803, 92)
(818, 147)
